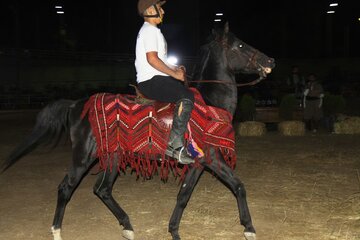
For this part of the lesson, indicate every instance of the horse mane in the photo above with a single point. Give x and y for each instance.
(218, 34)
(199, 68)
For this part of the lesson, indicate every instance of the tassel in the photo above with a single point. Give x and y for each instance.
(194, 149)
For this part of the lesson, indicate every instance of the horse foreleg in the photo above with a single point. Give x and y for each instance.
(103, 189)
(183, 197)
(226, 174)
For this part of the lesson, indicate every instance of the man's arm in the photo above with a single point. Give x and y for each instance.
(158, 64)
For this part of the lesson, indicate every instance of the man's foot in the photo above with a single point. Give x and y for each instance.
(180, 154)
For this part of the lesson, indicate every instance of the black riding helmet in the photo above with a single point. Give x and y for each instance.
(145, 4)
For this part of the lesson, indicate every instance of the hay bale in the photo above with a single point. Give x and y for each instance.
(292, 128)
(251, 128)
(350, 125)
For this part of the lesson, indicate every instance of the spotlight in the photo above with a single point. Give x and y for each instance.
(172, 60)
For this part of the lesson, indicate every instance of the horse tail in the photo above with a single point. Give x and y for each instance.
(51, 123)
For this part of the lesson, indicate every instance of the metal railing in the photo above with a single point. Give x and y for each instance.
(25, 101)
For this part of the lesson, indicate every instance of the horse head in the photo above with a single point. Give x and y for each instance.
(221, 58)
(240, 56)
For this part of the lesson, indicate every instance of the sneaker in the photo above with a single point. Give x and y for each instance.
(180, 154)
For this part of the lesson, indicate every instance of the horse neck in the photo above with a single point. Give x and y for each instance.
(222, 95)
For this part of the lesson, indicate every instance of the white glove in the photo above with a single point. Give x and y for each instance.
(306, 92)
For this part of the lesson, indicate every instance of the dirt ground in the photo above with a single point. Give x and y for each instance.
(297, 188)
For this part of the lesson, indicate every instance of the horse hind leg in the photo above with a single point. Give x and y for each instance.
(103, 189)
(82, 161)
(225, 174)
(65, 191)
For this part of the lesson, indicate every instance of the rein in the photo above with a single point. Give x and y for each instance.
(256, 81)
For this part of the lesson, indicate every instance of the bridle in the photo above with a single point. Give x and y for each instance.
(251, 62)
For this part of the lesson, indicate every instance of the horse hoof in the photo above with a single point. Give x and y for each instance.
(56, 233)
(128, 234)
(250, 235)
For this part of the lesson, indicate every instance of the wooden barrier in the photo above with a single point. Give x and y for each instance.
(271, 115)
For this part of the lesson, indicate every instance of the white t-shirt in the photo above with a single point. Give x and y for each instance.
(149, 39)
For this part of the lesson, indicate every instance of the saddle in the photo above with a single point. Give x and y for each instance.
(140, 98)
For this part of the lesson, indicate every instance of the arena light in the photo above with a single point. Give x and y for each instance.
(60, 12)
(330, 12)
(172, 60)
(334, 4)
(219, 14)
(217, 20)
(58, 7)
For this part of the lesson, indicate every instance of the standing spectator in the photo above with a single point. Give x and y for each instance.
(312, 102)
(296, 82)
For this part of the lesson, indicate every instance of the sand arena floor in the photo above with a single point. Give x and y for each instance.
(298, 188)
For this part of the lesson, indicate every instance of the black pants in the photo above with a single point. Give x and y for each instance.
(165, 89)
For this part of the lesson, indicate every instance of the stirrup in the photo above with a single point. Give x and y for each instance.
(180, 154)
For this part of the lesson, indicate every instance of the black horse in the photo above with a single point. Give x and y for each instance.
(220, 59)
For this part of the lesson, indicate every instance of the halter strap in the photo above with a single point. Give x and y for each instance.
(252, 59)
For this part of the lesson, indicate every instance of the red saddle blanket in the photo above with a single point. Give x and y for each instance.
(136, 135)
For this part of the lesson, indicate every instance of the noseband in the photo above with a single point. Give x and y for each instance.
(252, 60)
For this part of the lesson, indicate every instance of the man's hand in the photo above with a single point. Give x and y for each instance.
(176, 72)
(182, 67)
(180, 74)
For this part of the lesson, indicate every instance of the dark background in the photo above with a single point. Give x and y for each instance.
(281, 28)
(90, 48)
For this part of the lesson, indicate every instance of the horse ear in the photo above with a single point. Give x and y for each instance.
(213, 32)
(226, 28)
(226, 31)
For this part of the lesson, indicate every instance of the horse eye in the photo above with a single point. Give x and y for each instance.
(240, 46)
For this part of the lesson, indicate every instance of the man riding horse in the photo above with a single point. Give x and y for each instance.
(159, 80)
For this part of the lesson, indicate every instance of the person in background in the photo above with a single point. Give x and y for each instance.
(312, 103)
(160, 81)
(296, 83)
